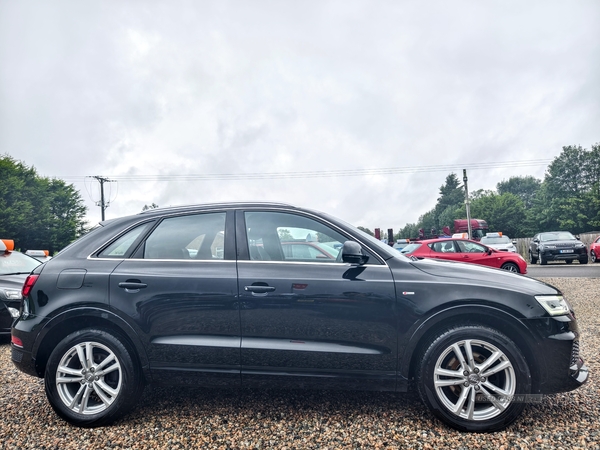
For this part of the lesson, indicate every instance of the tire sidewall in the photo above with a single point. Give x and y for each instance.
(425, 377)
(130, 383)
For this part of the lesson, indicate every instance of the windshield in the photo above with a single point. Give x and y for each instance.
(495, 240)
(15, 263)
(557, 236)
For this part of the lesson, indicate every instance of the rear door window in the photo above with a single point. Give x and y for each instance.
(197, 236)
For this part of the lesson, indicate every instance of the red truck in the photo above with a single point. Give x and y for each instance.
(478, 227)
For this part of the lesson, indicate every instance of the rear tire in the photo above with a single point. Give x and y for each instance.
(463, 364)
(92, 378)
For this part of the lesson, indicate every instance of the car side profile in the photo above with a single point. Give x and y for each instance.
(464, 250)
(557, 246)
(206, 295)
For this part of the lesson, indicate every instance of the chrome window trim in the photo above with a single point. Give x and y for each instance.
(223, 209)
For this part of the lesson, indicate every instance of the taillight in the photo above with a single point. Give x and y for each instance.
(16, 341)
(28, 286)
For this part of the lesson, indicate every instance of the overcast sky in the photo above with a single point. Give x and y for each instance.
(248, 93)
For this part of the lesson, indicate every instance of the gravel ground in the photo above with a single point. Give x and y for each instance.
(173, 418)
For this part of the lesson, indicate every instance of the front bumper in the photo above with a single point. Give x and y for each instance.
(563, 254)
(561, 368)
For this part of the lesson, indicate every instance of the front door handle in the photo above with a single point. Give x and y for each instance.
(259, 289)
(132, 285)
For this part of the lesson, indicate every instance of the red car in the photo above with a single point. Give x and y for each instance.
(464, 250)
(595, 250)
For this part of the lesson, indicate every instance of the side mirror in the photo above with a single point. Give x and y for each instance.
(352, 253)
(536, 240)
(514, 242)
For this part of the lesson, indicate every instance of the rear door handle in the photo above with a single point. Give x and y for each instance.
(259, 289)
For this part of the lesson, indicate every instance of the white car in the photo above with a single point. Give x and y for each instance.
(499, 241)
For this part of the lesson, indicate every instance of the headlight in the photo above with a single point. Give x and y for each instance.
(579, 245)
(555, 305)
(12, 294)
(14, 313)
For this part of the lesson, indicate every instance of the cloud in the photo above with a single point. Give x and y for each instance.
(185, 88)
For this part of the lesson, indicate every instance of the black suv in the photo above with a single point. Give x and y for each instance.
(206, 295)
(557, 246)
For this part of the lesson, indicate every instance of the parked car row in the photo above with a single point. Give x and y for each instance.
(543, 248)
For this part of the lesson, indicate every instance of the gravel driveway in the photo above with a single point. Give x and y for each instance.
(174, 418)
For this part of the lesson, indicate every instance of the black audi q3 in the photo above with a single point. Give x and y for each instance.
(207, 296)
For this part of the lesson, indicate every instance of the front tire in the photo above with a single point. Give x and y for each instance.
(92, 378)
(511, 267)
(583, 260)
(471, 377)
(593, 256)
(543, 261)
(532, 259)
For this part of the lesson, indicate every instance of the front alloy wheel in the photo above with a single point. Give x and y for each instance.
(511, 267)
(593, 256)
(91, 378)
(473, 378)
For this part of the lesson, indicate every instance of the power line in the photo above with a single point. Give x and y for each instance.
(323, 174)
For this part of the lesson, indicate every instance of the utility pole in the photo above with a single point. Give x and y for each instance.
(467, 204)
(103, 205)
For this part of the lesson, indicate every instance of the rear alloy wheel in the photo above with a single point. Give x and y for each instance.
(593, 256)
(91, 378)
(511, 267)
(532, 259)
(474, 378)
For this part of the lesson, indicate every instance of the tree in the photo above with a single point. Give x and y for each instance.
(452, 196)
(38, 212)
(524, 187)
(366, 230)
(505, 213)
(571, 189)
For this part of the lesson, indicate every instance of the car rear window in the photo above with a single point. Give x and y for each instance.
(15, 262)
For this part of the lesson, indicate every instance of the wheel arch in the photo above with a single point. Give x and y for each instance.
(73, 320)
(465, 315)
